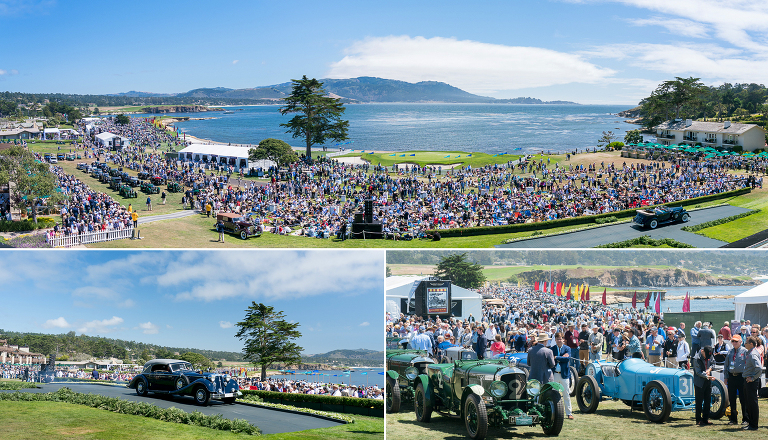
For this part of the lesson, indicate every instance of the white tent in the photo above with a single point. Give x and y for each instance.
(753, 305)
(399, 287)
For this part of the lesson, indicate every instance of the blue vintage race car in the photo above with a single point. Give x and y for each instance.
(656, 390)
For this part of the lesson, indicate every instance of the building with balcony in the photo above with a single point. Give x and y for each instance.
(13, 354)
(749, 137)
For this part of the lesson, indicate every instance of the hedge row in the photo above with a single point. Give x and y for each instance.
(315, 398)
(646, 240)
(571, 221)
(16, 385)
(26, 225)
(120, 406)
(719, 221)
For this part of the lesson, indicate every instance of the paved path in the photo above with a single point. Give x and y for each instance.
(626, 231)
(268, 420)
(171, 216)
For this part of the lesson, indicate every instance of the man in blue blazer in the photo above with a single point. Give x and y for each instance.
(561, 371)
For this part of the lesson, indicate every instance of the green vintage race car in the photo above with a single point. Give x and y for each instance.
(174, 187)
(149, 188)
(403, 367)
(487, 393)
(127, 191)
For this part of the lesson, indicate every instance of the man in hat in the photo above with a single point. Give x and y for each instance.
(733, 370)
(422, 341)
(541, 360)
(752, 372)
(595, 344)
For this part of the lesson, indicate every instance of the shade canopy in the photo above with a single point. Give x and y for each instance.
(753, 305)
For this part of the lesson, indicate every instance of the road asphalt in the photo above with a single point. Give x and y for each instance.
(590, 238)
(268, 420)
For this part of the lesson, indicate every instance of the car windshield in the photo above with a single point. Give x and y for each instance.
(181, 366)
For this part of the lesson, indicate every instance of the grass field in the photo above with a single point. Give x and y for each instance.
(443, 158)
(746, 226)
(64, 421)
(612, 421)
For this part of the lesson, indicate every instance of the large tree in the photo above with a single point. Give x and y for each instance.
(30, 179)
(460, 272)
(318, 117)
(274, 150)
(671, 98)
(268, 337)
(197, 360)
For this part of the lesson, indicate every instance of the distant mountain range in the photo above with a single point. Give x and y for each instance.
(364, 357)
(362, 89)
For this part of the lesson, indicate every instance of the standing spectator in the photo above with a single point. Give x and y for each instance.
(655, 345)
(735, 363)
(162, 197)
(135, 218)
(726, 331)
(702, 377)
(683, 350)
(595, 344)
(583, 347)
(707, 335)
(149, 203)
(482, 342)
(541, 360)
(752, 372)
(634, 349)
(695, 342)
(562, 372)
(670, 349)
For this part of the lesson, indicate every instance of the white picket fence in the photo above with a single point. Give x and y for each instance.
(90, 237)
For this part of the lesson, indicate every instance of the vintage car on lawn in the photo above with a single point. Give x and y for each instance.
(149, 188)
(520, 360)
(157, 180)
(128, 192)
(60, 156)
(82, 166)
(114, 172)
(174, 187)
(403, 367)
(178, 378)
(237, 224)
(660, 215)
(487, 393)
(115, 183)
(143, 175)
(657, 391)
(132, 180)
(105, 177)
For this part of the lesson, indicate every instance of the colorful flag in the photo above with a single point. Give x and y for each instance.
(686, 303)
(658, 303)
(568, 295)
(605, 298)
(634, 300)
(587, 293)
(647, 299)
(536, 285)
(552, 288)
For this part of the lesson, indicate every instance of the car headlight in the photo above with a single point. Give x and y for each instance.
(227, 378)
(498, 389)
(533, 387)
(411, 373)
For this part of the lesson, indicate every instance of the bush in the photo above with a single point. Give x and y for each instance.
(738, 148)
(120, 406)
(646, 240)
(604, 220)
(571, 221)
(16, 385)
(314, 398)
(28, 241)
(617, 145)
(719, 221)
(26, 225)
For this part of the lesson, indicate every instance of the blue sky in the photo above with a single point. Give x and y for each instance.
(589, 51)
(193, 299)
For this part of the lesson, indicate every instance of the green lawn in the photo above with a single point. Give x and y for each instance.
(612, 421)
(64, 421)
(746, 226)
(443, 158)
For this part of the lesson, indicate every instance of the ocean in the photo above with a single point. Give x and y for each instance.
(487, 128)
(697, 305)
(367, 376)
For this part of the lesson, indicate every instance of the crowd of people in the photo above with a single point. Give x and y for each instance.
(311, 387)
(525, 320)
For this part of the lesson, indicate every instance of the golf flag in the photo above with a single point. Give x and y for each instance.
(634, 300)
(605, 299)
(647, 299)
(658, 303)
(686, 303)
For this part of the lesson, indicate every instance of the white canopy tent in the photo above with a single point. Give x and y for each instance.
(222, 154)
(753, 305)
(399, 287)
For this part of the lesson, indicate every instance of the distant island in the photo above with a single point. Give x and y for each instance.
(354, 90)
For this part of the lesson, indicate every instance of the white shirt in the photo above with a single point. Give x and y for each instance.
(683, 351)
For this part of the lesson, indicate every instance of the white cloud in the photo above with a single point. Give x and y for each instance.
(476, 67)
(127, 303)
(102, 326)
(148, 328)
(235, 61)
(225, 324)
(59, 322)
(95, 292)
(679, 26)
(365, 324)
(272, 274)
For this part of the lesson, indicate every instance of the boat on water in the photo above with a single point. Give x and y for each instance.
(226, 112)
